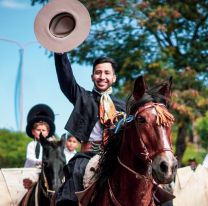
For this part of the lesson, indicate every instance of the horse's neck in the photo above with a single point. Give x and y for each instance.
(130, 189)
(130, 151)
(133, 188)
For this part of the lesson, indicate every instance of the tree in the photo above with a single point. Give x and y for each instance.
(158, 39)
(202, 129)
(12, 148)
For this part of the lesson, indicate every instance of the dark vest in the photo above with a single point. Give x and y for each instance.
(86, 103)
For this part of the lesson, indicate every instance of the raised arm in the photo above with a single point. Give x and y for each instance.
(66, 79)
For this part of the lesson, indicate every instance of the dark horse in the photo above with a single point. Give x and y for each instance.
(139, 155)
(51, 175)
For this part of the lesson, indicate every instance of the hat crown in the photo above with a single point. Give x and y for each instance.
(62, 25)
(40, 110)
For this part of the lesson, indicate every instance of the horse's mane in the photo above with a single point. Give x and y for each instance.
(109, 158)
(150, 95)
(109, 155)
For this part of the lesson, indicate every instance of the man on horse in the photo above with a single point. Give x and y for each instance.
(93, 114)
(60, 27)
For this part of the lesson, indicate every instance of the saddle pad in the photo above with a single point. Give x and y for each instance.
(90, 171)
(5, 198)
(11, 183)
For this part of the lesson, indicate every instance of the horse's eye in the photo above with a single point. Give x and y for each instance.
(140, 120)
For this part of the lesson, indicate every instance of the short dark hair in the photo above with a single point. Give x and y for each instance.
(68, 135)
(101, 60)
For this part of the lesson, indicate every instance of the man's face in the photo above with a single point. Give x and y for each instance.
(103, 76)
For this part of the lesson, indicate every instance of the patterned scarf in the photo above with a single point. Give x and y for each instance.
(107, 112)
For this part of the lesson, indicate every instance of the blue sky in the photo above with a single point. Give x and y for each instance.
(40, 84)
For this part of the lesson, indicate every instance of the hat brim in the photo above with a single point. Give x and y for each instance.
(80, 32)
(30, 124)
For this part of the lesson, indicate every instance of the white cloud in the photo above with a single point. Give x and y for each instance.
(13, 4)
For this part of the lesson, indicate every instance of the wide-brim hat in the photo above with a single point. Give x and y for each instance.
(40, 112)
(62, 25)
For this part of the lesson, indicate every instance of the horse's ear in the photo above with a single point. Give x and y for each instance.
(43, 140)
(166, 89)
(63, 141)
(139, 88)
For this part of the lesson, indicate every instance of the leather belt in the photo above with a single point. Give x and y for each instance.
(93, 146)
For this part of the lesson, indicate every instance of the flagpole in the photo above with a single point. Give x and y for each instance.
(19, 86)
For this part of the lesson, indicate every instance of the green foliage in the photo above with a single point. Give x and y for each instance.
(202, 129)
(193, 151)
(157, 39)
(12, 148)
(150, 37)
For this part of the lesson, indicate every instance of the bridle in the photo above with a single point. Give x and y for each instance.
(45, 186)
(137, 175)
(46, 190)
(163, 119)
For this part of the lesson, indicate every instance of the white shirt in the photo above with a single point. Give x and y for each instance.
(31, 160)
(69, 154)
(96, 134)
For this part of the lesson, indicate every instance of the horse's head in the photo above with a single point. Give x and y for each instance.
(53, 162)
(148, 132)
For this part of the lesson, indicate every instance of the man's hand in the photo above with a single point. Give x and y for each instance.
(27, 183)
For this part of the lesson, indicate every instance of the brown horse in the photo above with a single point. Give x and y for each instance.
(139, 155)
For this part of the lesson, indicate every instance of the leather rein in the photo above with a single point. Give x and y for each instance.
(45, 189)
(147, 177)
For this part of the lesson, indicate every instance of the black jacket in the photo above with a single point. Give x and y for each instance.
(86, 103)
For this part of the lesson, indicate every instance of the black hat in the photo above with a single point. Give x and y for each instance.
(40, 112)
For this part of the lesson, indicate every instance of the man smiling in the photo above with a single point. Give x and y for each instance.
(93, 114)
(93, 110)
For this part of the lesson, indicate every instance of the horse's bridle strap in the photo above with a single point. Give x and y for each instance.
(115, 201)
(149, 106)
(46, 184)
(36, 194)
(138, 176)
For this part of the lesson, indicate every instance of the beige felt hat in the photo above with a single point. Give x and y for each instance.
(62, 25)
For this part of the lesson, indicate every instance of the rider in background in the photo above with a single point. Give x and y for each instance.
(40, 119)
(71, 146)
(193, 163)
(93, 114)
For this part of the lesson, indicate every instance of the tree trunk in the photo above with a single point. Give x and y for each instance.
(181, 143)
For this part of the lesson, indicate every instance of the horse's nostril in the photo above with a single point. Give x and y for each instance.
(164, 166)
